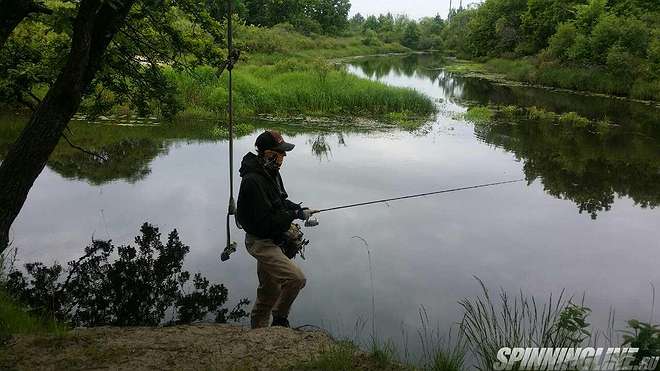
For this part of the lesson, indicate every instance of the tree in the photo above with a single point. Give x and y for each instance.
(106, 53)
(541, 19)
(411, 36)
(13, 12)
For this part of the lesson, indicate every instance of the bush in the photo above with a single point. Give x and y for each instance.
(135, 289)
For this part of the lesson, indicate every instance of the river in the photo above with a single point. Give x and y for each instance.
(584, 219)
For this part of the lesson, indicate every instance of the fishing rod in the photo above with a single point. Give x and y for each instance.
(313, 222)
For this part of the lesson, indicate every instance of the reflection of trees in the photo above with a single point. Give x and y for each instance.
(408, 65)
(128, 159)
(482, 91)
(585, 168)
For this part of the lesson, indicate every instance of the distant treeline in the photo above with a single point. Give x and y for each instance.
(610, 46)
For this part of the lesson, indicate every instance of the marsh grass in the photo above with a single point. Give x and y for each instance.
(291, 88)
(439, 352)
(520, 321)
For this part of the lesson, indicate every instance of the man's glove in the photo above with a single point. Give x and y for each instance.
(305, 213)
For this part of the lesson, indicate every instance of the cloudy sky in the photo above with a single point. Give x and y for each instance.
(413, 8)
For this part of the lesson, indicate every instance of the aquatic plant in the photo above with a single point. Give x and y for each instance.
(539, 114)
(510, 111)
(135, 289)
(574, 119)
(479, 114)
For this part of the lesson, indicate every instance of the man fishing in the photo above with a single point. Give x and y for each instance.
(266, 214)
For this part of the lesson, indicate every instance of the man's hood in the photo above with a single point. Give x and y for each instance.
(251, 164)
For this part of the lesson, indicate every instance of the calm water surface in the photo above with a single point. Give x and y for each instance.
(583, 221)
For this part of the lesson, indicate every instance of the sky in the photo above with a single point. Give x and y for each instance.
(413, 8)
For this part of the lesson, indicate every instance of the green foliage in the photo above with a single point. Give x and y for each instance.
(518, 321)
(180, 34)
(574, 119)
(135, 289)
(479, 115)
(337, 357)
(14, 319)
(424, 34)
(317, 16)
(312, 88)
(540, 115)
(575, 44)
(509, 111)
(572, 324)
(644, 336)
(410, 36)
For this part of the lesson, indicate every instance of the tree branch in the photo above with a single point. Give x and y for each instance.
(94, 154)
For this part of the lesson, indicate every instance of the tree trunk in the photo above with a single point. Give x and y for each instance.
(13, 12)
(95, 26)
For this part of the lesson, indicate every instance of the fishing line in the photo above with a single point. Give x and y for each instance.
(418, 195)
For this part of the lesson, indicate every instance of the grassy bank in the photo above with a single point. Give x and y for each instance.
(290, 88)
(532, 71)
(15, 320)
(285, 73)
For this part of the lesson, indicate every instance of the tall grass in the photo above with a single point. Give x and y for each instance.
(440, 353)
(288, 88)
(519, 321)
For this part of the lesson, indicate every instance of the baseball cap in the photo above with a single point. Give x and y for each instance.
(271, 139)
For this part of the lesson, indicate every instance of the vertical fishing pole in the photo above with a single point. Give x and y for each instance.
(231, 59)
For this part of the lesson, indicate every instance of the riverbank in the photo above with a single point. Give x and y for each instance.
(590, 82)
(203, 346)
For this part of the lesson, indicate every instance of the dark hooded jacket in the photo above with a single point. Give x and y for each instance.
(262, 208)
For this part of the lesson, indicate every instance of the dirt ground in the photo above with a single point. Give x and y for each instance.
(191, 347)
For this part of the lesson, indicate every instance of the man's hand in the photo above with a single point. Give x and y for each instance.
(305, 213)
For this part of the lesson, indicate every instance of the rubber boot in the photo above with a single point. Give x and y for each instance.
(280, 321)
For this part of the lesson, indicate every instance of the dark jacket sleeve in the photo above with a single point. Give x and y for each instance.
(291, 205)
(257, 214)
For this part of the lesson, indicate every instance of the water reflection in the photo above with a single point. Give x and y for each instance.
(590, 169)
(586, 168)
(427, 68)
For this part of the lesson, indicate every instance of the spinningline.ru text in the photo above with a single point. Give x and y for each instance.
(573, 359)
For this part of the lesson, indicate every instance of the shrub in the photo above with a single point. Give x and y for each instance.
(644, 336)
(135, 289)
